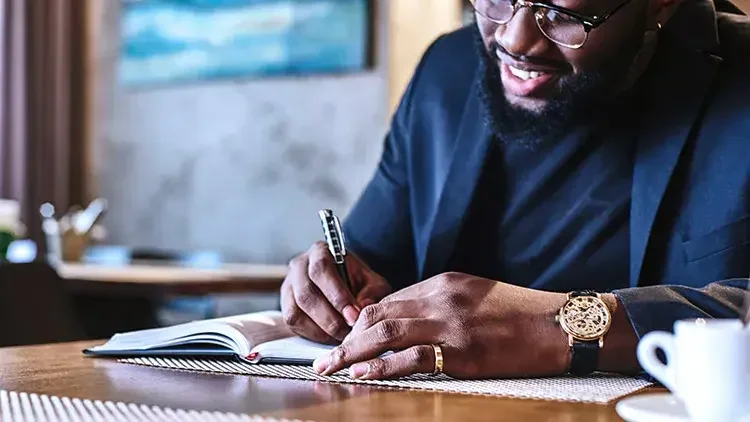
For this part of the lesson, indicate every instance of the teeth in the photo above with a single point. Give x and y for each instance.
(523, 74)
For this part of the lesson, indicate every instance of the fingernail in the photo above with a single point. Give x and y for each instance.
(321, 364)
(359, 370)
(351, 313)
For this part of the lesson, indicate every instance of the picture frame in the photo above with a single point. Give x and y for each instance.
(175, 41)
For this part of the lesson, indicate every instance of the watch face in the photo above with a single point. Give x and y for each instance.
(585, 317)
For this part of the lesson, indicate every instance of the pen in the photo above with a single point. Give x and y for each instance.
(334, 237)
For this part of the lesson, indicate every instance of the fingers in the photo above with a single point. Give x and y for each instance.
(369, 285)
(372, 293)
(373, 314)
(415, 291)
(322, 272)
(311, 301)
(387, 335)
(317, 303)
(414, 360)
(298, 321)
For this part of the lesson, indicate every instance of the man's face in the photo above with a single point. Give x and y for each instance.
(535, 72)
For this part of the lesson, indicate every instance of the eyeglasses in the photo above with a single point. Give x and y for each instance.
(562, 26)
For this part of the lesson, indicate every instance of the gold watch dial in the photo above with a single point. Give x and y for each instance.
(585, 317)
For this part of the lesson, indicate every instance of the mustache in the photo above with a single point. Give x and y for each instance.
(533, 60)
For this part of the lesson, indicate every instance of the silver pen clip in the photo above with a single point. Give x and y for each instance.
(333, 234)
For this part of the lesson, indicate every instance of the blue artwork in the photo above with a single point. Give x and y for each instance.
(187, 40)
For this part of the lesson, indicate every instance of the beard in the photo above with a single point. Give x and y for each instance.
(579, 97)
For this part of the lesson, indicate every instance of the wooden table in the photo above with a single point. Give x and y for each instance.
(151, 279)
(62, 370)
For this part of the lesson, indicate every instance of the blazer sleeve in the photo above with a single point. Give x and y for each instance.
(379, 227)
(656, 308)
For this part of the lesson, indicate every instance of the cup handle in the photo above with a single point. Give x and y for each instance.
(647, 348)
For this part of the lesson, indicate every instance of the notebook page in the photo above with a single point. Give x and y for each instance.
(205, 332)
(258, 327)
(239, 333)
(290, 348)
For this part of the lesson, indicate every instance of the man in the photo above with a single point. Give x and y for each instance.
(544, 153)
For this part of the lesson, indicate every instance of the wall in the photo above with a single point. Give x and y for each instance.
(238, 166)
(413, 25)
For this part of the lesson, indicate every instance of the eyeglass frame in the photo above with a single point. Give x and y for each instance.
(589, 22)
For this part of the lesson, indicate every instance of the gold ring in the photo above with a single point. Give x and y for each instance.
(438, 359)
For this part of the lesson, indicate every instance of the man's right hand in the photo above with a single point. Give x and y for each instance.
(315, 301)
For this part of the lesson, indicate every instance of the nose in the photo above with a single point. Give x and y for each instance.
(521, 36)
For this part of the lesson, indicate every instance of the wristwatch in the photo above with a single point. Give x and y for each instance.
(586, 319)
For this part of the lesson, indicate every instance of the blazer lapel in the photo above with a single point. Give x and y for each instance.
(684, 80)
(465, 167)
(679, 91)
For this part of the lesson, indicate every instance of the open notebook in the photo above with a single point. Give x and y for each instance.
(260, 337)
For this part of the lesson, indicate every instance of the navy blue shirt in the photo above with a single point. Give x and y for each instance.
(563, 232)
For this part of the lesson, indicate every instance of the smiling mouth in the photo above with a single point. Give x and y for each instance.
(525, 74)
(526, 79)
(527, 68)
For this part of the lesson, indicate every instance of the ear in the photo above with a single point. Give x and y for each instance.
(661, 11)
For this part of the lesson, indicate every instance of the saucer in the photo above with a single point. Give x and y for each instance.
(658, 407)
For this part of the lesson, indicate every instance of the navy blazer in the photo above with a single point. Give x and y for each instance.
(690, 212)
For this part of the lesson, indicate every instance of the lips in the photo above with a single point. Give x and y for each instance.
(524, 83)
(522, 80)
(524, 74)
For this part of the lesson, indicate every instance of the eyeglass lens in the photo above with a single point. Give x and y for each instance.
(558, 27)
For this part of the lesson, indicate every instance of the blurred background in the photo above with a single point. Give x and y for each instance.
(162, 160)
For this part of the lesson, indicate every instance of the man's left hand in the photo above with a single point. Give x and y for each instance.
(486, 329)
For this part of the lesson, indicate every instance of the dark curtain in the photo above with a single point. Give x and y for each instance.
(42, 105)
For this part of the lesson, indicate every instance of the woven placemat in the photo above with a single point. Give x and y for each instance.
(597, 388)
(25, 407)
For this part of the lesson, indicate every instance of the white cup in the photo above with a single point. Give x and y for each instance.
(708, 367)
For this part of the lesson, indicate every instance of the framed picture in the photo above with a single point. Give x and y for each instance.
(165, 41)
